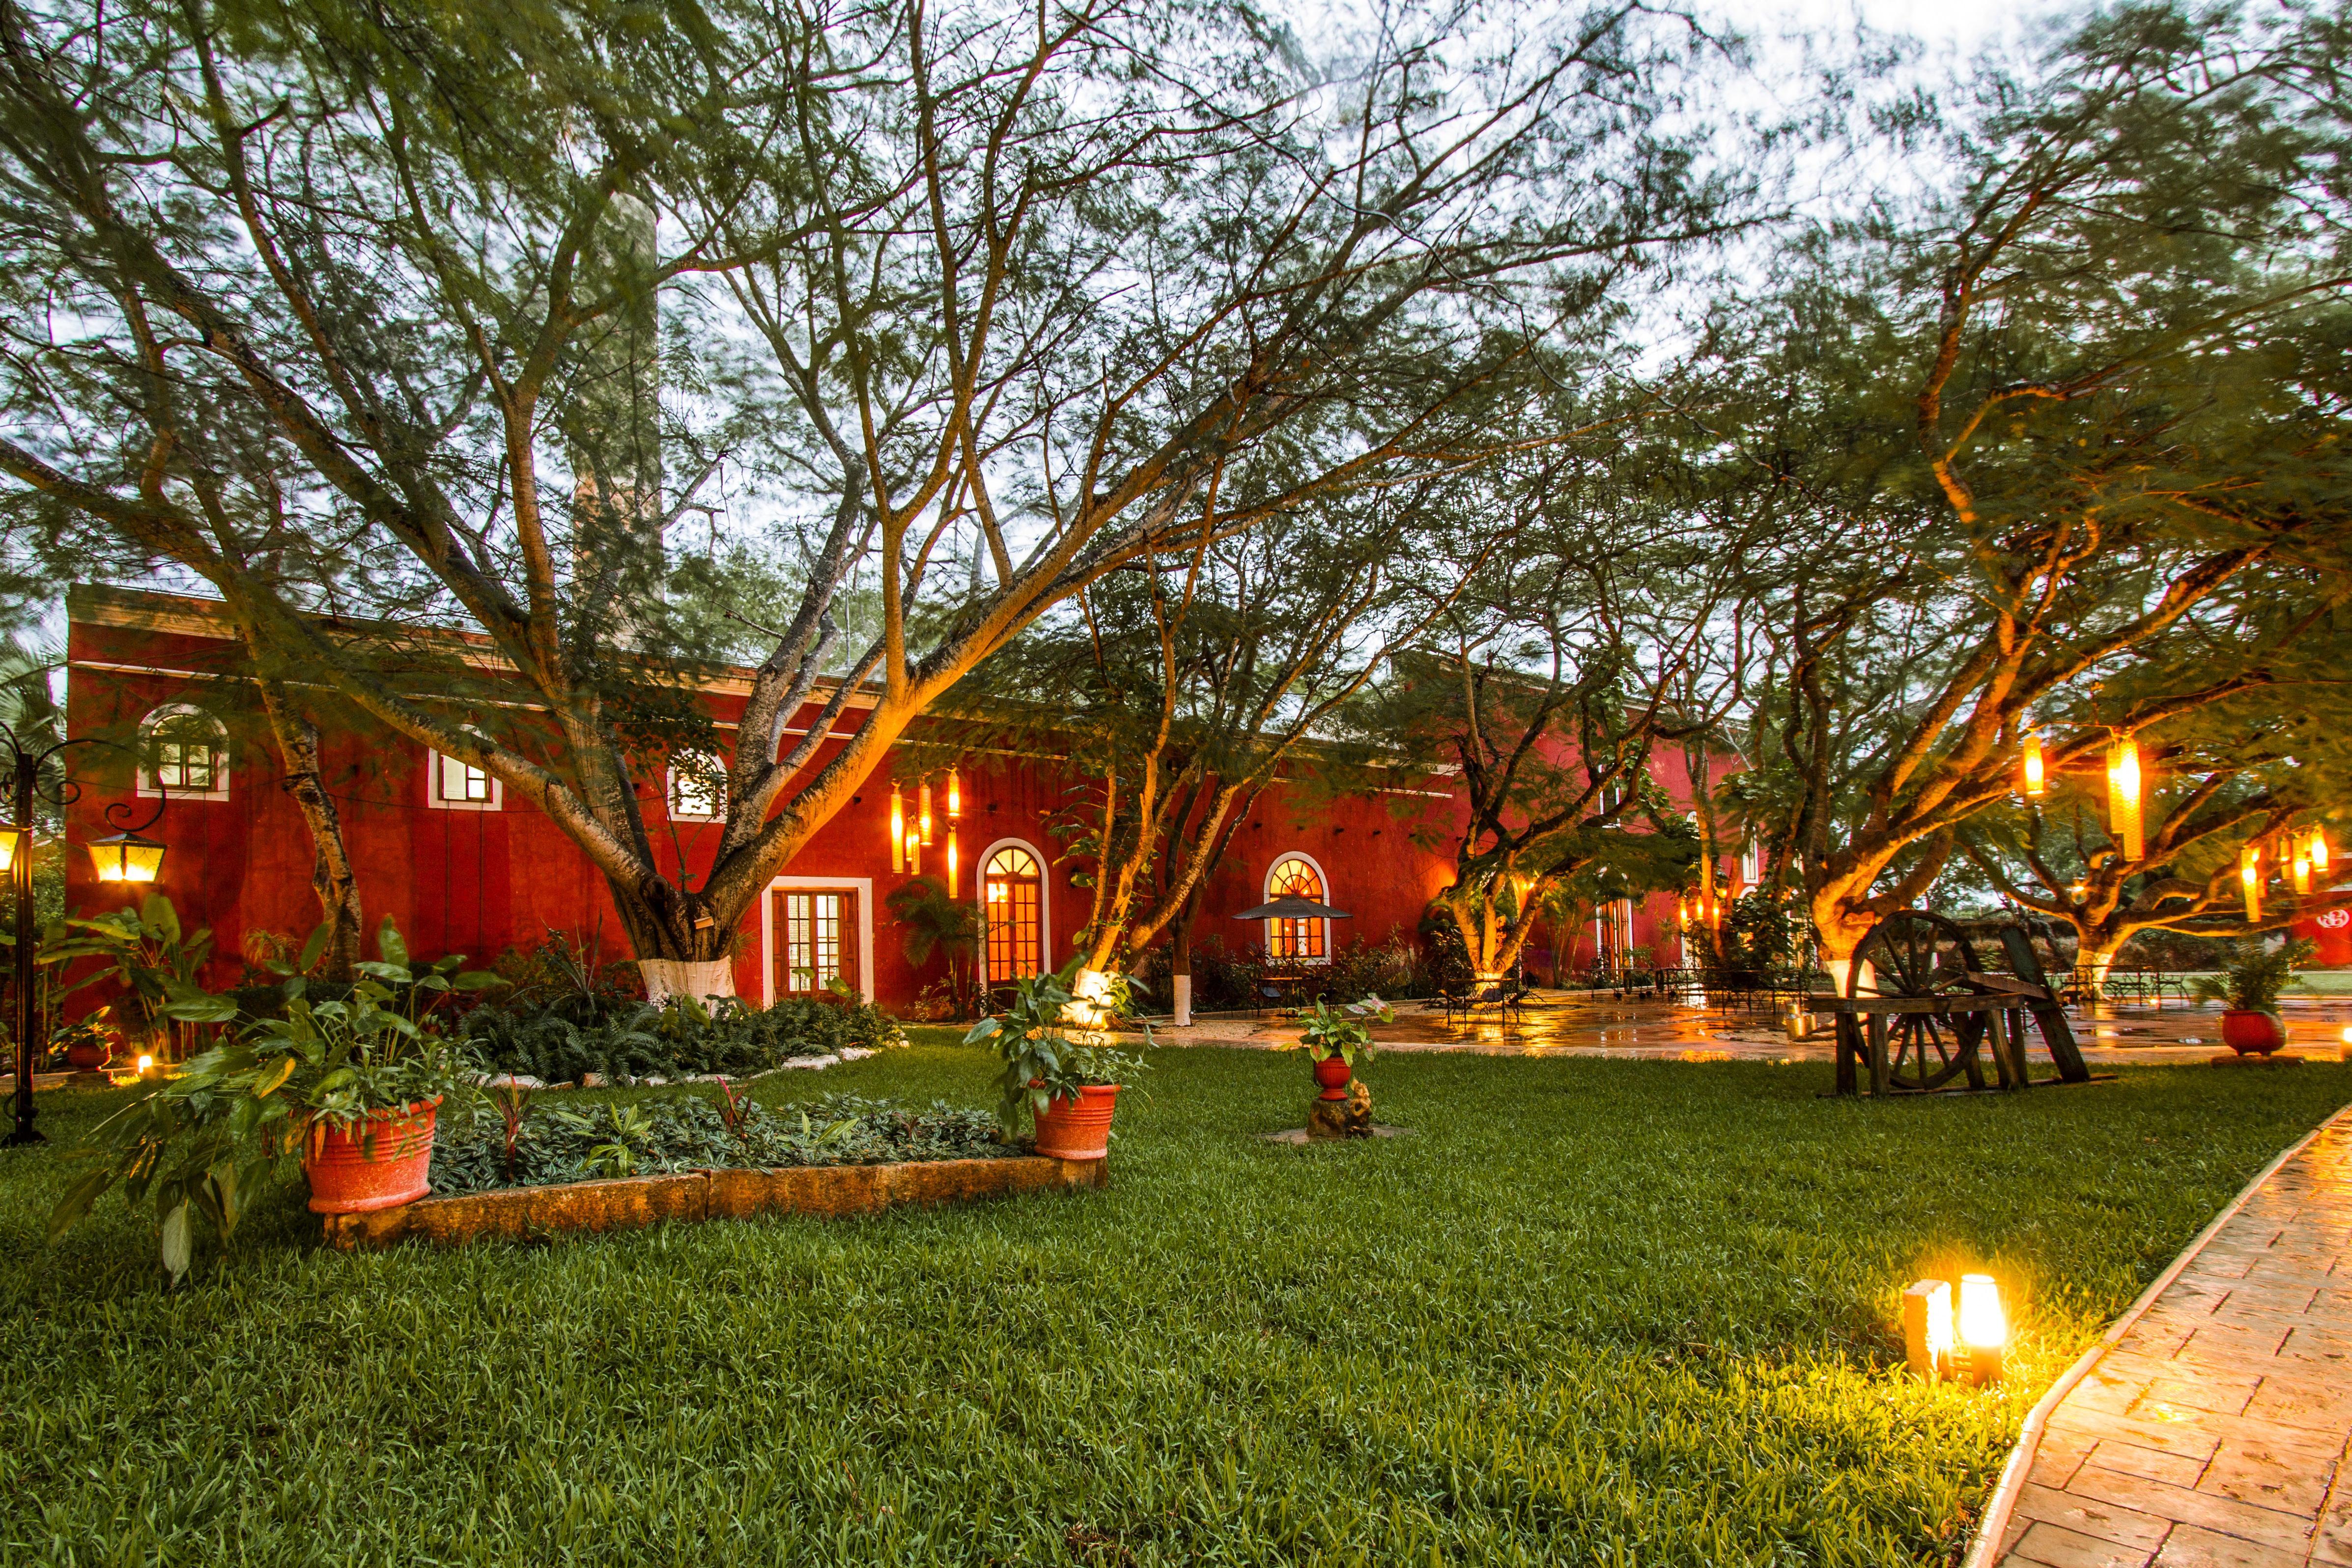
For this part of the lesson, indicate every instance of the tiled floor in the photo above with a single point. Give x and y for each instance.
(1569, 1023)
(2213, 1433)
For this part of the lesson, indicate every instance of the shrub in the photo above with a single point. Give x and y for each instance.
(679, 1038)
(700, 1132)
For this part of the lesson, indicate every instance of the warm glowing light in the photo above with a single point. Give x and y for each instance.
(2033, 776)
(2319, 850)
(146, 1065)
(126, 857)
(955, 796)
(951, 853)
(897, 830)
(8, 837)
(2300, 874)
(923, 811)
(914, 852)
(1983, 1326)
(2250, 877)
(2124, 796)
(996, 893)
(1927, 1328)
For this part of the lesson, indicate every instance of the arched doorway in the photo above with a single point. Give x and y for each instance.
(1013, 912)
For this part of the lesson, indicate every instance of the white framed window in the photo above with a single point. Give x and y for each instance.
(1752, 863)
(698, 787)
(182, 754)
(1296, 875)
(454, 785)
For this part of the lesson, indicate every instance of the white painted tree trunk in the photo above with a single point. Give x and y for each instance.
(1183, 1001)
(1840, 967)
(667, 977)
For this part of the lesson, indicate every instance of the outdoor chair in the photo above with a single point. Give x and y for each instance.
(1505, 996)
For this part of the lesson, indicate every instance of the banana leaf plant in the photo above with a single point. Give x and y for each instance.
(159, 963)
(233, 1122)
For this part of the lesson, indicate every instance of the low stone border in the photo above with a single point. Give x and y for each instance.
(831, 1191)
(1985, 1547)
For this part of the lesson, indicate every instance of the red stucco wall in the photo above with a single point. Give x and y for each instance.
(480, 881)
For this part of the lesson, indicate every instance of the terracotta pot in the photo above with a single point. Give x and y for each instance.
(1332, 1074)
(381, 1161)
(1079, 1131)
(2251, 1033)
(88, 1055)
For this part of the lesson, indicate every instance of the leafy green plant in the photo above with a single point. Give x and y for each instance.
(1345, 1034)
(932, 922)
(1053, 1043)
(2255, 975)
(683, 1038)
(159, 963)
(231, 1122)
(683, 1131)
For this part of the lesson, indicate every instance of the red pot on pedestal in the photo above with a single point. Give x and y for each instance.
(381, 1161)
(2252, 1033)
(1332, 1072)
(1078, 1130)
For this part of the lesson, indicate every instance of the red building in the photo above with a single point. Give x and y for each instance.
(459, 869)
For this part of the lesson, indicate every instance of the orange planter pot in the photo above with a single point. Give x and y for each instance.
(381, 1161)
(2252, 1033)
(1079, 1131)
(1331, 1074)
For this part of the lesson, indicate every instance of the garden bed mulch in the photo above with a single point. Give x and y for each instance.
(829, 1191)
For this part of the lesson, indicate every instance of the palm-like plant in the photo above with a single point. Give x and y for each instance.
(933, 923)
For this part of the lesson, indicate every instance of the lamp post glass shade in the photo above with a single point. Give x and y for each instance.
(9, 840)
(126, 857)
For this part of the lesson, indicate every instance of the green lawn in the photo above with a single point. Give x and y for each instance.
(1592, 1311)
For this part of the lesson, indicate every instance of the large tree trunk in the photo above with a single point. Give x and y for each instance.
(332, 878)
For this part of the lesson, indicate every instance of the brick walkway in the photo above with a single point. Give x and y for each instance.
(2213, 1432)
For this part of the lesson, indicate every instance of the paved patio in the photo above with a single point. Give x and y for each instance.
(2213, 1431)
(1576, 1023)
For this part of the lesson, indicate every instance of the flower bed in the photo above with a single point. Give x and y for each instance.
(700, 1132)
(828, 1191)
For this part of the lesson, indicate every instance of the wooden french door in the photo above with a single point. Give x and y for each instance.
(816, 931)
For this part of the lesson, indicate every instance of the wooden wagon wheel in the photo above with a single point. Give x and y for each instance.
(1912, 954)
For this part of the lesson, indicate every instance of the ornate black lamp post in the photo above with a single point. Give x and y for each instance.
(123, 856)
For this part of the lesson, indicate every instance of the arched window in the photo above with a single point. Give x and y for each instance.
(1296, 877)
(1013, 912)
(698, 787)
(182, 753)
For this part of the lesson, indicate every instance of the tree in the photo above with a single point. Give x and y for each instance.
(1037, 282)
(2075, 407)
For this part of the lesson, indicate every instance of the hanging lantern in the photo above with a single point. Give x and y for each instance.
(914, 851)
(2300, 873)
(951, 853)
(2123, 797)
(897, 830)
(2034, 782)
(955, 796)
(923, 809)
(2319, 856)
(126, 857)
(2250, 876)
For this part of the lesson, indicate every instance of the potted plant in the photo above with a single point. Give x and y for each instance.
(346, 1090)
(1060, 1068)
(2247, 987)
(1335, 1041)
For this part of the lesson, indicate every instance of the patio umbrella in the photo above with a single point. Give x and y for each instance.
(1290, 906)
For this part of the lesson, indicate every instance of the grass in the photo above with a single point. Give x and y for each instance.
(1592, 1311)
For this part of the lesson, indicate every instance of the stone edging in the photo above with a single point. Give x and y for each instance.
(1984, 1550)
(514, 1212)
